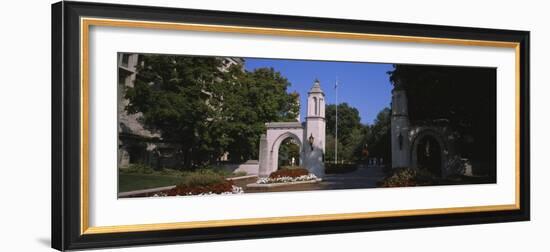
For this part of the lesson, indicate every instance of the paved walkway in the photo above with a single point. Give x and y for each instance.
(363, 177)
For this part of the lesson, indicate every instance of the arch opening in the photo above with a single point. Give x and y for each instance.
(289, 155)
(287, 137)
(428, 155)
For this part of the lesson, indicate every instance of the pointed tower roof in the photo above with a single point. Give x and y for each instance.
(316, 88)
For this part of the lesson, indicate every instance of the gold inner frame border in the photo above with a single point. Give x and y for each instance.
(85, 24)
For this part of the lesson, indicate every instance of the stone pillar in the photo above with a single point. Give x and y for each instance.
(400, 142)
(314, 160)
(315, 128)
(264, 157)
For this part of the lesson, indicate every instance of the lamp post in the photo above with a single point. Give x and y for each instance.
(310, 140)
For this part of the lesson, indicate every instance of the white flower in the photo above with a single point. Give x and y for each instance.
(286, 179)
(236, 190)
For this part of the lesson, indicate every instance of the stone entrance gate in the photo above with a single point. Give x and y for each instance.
(269, 144)
(309, 135)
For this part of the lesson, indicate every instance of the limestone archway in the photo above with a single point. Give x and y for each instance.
(274, 151)
(311, 155)
(270, 143)
(423, 139)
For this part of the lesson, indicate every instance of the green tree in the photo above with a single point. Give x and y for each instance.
(206, 109)
(330, 149)
(252, 99)
(350, 133)
(348, 120)
(351, 151)
(288, 150)
(172, 92)
(379, 137)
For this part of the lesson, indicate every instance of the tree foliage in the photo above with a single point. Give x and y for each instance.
(379, 137)
(287, 150)
(252, 99)
(206, 109)
(356, 141)
(464, 98)
(348, 120)
(351, 133)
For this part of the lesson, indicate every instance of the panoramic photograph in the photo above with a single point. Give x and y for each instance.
(193, 125)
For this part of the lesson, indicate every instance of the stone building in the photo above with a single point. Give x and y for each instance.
(135, 143)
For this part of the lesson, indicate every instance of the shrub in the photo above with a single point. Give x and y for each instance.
(409, 177)
(221, 170)
(293, 173)
(137, 168)
(239, 174)
(170, 172)
(201, 178)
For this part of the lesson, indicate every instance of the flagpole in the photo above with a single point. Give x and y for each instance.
(336, 137)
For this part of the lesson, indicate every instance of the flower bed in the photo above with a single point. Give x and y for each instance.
(216, 189)
(292, 173)
(203, 182)
(195, 190)
(286, 179)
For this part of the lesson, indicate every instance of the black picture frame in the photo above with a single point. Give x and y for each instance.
(66, 125)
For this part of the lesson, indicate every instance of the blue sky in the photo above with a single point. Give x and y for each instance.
(365, 86)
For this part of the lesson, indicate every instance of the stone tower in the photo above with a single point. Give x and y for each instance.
(298, 102)
(315, 130)
(400, 142)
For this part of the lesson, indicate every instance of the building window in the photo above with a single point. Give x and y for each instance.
(315, 105)
(125, 60)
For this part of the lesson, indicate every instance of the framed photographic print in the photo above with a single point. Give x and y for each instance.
(179, 125)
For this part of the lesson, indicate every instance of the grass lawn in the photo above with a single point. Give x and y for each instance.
(131, 182)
